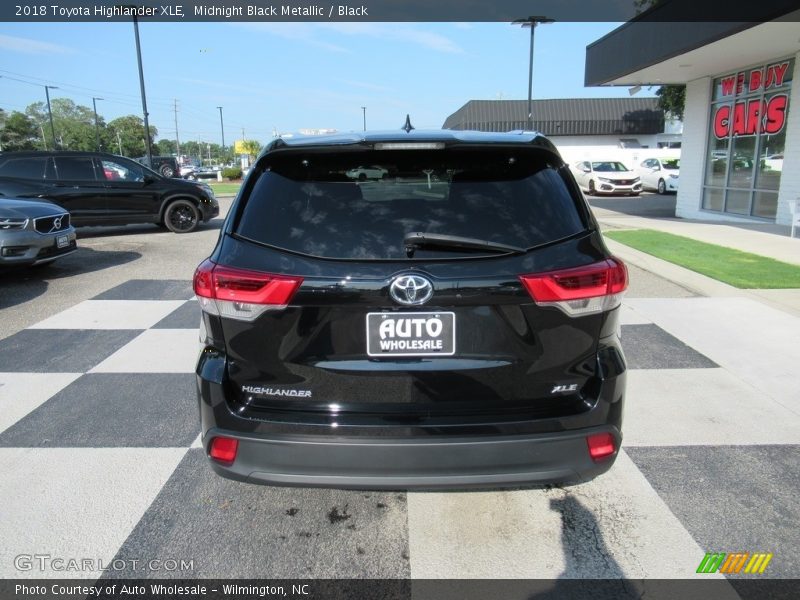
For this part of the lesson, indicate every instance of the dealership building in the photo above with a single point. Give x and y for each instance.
(740, 151)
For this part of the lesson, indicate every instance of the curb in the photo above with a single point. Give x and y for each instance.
(695, 282)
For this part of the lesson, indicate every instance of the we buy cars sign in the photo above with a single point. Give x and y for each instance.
(757, 115)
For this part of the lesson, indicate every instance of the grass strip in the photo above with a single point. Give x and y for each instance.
(739, 269)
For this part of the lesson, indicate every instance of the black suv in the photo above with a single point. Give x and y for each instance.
(424, 309)
(103, 189)
(166, 165)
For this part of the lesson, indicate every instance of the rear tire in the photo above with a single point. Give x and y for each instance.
(662, 187)
(181, 216)
(166, 171)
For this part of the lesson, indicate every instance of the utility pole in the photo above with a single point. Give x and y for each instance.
(47, 89)
(96, 126)
(364, 110)
(177, 139)
(531, 22)
(147, 145)
(221, 129)
(44, 140)
(119, 143)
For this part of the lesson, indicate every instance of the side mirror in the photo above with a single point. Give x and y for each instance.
(148, 179)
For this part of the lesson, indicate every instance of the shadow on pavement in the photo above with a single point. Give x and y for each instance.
(21, 284)
(142, 229)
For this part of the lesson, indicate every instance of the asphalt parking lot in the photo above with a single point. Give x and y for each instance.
(100, 453)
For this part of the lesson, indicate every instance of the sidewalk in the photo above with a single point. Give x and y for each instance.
(741, 237)
(773, 245)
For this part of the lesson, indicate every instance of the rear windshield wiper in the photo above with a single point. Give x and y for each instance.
(415, 241)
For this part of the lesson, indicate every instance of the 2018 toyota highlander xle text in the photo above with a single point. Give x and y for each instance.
(411, 309)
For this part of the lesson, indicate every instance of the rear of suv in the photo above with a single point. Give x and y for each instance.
(411, 310)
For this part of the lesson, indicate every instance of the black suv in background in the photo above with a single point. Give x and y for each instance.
(423, 309)
(103, 189)
(165, 165)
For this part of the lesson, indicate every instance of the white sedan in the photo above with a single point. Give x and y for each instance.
(606, 177)
(660, 174)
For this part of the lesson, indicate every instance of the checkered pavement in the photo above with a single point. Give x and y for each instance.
(100, 458)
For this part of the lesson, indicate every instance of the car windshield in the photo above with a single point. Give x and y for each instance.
(672, 164)
(363, 205)
(608, 167)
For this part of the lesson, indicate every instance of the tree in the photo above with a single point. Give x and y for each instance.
(127, 135)
(18, 133)
(672, 99)
(166, 147)
(73, 123)
(250, 147)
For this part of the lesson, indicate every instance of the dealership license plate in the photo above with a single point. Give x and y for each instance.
(411, 334)
(62, 241)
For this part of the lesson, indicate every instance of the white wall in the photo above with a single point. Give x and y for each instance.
(790, 177)
(695, 130)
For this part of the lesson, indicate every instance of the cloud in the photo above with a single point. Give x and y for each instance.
(309, 33)
(364, 85)
(296, 32)
(397, 32)
(29, 46)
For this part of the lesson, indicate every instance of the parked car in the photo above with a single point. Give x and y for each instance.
(34, 233)
(451, 324)
(165, 165)
(660, 174)
(103, 189)
(606, 177)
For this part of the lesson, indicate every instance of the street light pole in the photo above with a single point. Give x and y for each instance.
(147, 144)
(531, 22)
(222, 129)
(96, 125)
(47, 89)
(364, 110)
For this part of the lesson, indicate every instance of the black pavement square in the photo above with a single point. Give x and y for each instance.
(60, 350)
(650, 347)
(149, 289)
(732, 498)
(103, 410)
(233, 529)
(186, 316)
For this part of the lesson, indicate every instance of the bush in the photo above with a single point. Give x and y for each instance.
(232, 173)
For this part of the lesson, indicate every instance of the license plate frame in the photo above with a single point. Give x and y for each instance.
(62, 241)
(447, 336)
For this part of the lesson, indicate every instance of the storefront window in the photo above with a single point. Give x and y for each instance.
(747, 134)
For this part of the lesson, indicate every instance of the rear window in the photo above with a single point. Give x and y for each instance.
(361, 205)
(25, 168)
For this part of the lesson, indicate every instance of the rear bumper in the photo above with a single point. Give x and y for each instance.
(428, 463)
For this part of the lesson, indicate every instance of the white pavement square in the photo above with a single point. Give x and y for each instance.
(155, 351)
(756, 342)
(605, 528)
(76, 503)
(690, 407)
(21, 393)
(111, 314)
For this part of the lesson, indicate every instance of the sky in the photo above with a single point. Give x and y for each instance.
(289, 76)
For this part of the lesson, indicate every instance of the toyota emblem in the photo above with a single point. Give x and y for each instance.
(411, 290)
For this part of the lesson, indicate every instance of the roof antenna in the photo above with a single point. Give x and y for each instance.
(408, 126)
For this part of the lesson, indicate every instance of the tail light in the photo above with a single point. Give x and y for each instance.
(601, 445)
(582, 290)
(241, 294)
(223, 450)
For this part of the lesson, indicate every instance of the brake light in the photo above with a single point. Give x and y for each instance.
(223, 450)
(581, 290)
(601, 445)
(241, 294)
